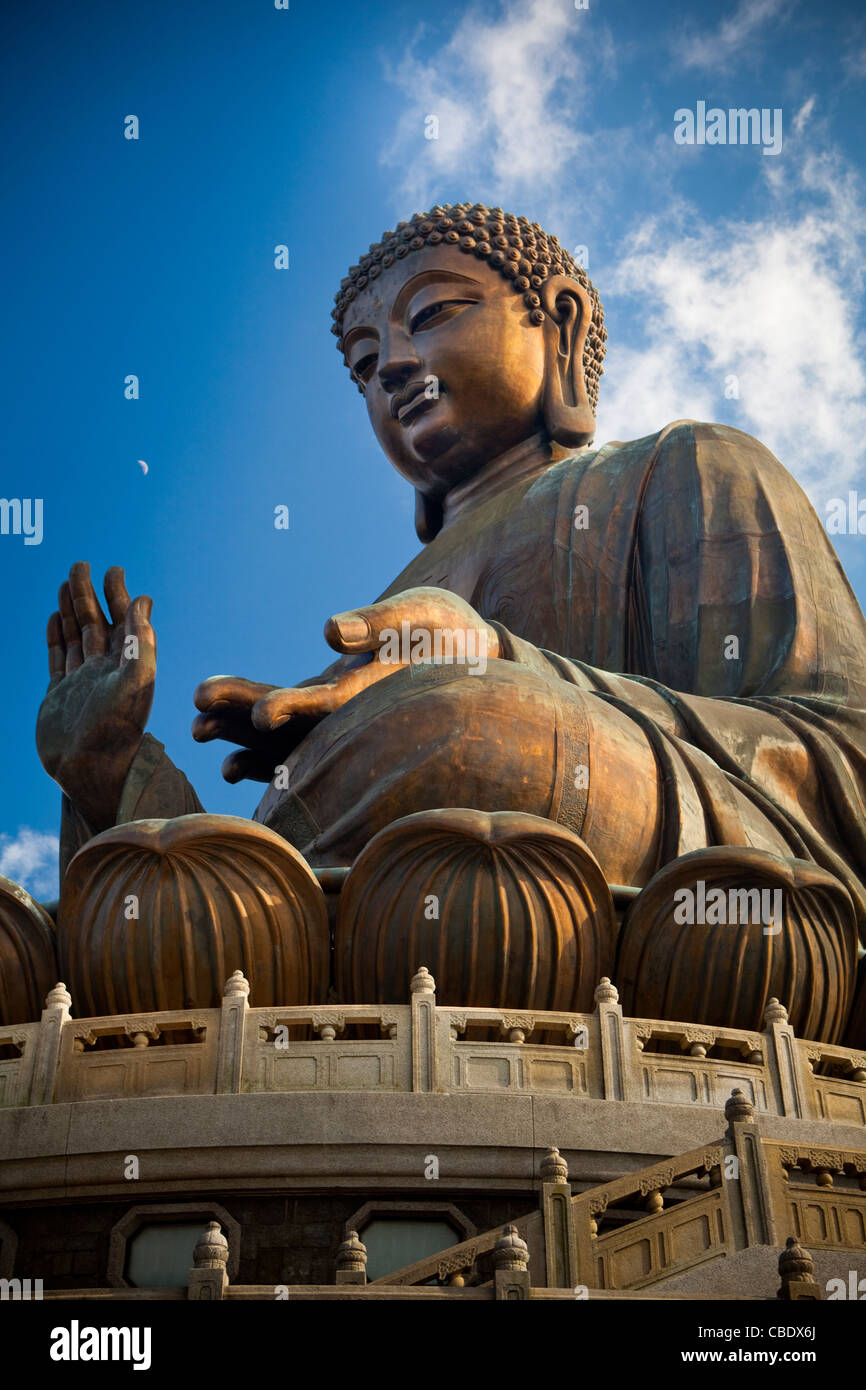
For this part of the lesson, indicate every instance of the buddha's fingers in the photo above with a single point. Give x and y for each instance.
(206, 727)
(308, 702)
(363, 629)
(56, 649)
(71, 630)
(427, 608)
(91, 619)
(116, 596)
(229, 691)
(138, 654)
(248, 766)
(224, 722)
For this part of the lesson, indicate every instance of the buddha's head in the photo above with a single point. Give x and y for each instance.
(469, 331)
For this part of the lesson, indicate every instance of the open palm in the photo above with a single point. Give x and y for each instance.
(96, 708)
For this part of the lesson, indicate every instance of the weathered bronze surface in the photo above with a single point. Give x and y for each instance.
(725, 969)
(157, 915)
(28, 957)
(674, 658)
(505, 908)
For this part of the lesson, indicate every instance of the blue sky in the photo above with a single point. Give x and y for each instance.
(306, 127)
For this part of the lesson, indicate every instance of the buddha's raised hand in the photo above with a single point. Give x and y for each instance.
(96, 708)
(416, 625)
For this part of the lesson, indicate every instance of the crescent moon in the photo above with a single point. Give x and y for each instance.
(143, 465)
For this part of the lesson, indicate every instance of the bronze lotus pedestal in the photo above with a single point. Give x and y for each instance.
(511, 911)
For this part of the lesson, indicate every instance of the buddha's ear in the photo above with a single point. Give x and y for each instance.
(568, 415)
(428, 516)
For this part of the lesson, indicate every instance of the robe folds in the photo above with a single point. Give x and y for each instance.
(682, 659)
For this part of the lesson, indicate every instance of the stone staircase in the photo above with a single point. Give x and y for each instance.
(669, 1223)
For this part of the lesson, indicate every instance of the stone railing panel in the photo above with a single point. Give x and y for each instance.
(15, 1071)
(841, 1096)
(276, 1061)
(637, 1249)
(818, 1195)
(517, 1062)
(672, 1242)
(144, 1064)
(689, 1070)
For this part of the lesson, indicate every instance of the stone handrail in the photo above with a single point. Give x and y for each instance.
(819, 1192)
(563, 1235)
(671, 1216)
(420, 1046)
(641, 1197)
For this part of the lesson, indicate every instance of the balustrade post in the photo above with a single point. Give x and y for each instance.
(351, 1261)
(748, 1189)
(560, 1250)
(425, 1069)
(796, 1270)
(510, 1260)
(785, 1062)
(616, 1065)
(208, 1279)
(233, 1017)
(43, 1079)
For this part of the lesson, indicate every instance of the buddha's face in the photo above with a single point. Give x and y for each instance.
(451, 367)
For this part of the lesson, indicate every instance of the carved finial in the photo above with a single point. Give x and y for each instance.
(423, 982)
(58, 995)
(212, 1251)
(605, 992)
(796, 1266)
(775, 1013)
(237, 983)
(738, 1107)
(795, 1262)
(554, 1167)
(352, 1254)
(510, 1252)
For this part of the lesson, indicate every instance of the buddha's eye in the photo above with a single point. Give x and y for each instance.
(433, 314)
(364, 366)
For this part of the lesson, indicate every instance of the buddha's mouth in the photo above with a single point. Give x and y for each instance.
(415, 408)
(411, 401)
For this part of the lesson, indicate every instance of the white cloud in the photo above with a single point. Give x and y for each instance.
(504, 93)
(727, 42)
(772, 298)
(802, 116)
(31, 859)
(772, 301)
(854, 64)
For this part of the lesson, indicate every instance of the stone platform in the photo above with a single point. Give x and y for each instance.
(292, 1127)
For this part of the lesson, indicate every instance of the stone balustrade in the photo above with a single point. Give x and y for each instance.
(728, 1203)
(421, 1046)
(662, 1222)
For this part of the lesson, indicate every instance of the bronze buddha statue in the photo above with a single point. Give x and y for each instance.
(674, 659)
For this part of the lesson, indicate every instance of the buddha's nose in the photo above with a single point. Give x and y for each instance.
(398, 360)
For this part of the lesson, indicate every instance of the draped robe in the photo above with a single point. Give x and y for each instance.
(683, 664)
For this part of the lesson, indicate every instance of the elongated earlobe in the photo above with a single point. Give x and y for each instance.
(568, 414)
(428, 517)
